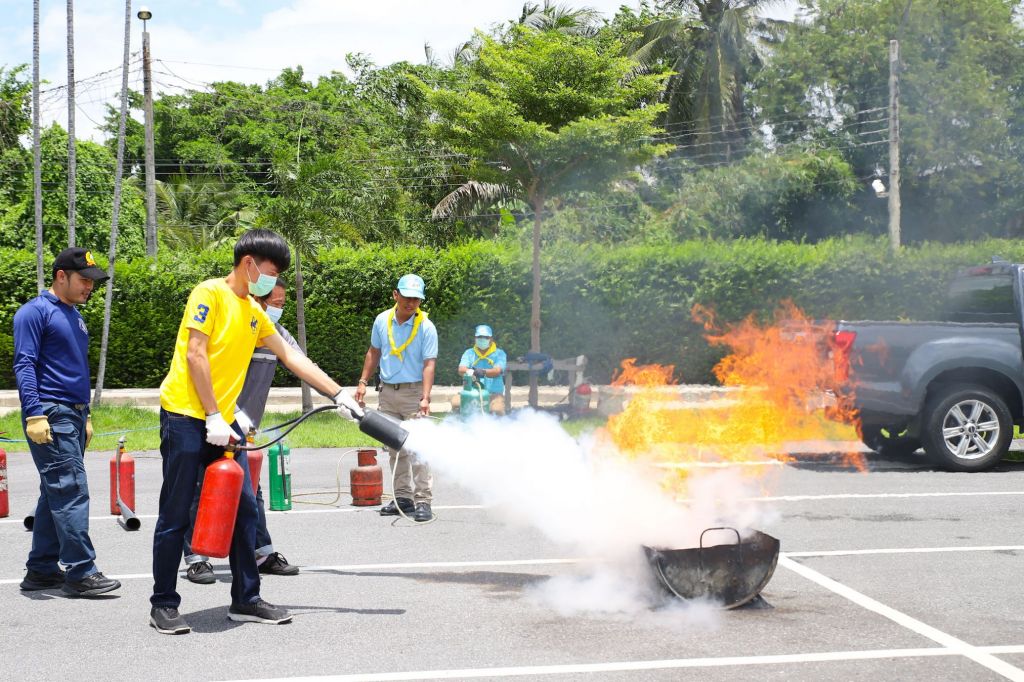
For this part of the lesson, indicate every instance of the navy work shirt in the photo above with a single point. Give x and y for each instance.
(51, 354)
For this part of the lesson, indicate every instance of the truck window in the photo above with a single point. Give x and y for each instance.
(982, 294)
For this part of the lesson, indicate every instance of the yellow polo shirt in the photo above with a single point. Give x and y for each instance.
(235, 326)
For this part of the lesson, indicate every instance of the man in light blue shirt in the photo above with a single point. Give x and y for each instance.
(487, 363)
(403, 344)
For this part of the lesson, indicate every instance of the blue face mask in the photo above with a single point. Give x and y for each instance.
(274, 313)
(483, 343)
(263, 285)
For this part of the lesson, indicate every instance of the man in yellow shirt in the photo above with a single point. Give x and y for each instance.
(221, 326)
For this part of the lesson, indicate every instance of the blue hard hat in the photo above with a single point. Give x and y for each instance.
(411, 286)
(483, 330)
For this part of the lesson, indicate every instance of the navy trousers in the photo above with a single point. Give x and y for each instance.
(61, 530)
(185, 453)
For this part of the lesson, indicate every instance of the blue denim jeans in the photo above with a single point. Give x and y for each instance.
(61, 530)
(185, 453)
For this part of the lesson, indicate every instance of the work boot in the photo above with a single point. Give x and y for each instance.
(423, 512)
(90, 586)
(168, 621)
(259, 612)
(201, 573)
(276, 564)
(407, 506)
(42, 581)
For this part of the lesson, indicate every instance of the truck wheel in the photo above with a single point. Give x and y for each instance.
(889, 441)
(967, 428)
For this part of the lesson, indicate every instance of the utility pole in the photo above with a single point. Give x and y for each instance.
(147, 87)
(37, 158)
(101, 372)
(894, 145)
(72, 161)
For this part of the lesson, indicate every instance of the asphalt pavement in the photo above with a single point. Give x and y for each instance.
(902, 572)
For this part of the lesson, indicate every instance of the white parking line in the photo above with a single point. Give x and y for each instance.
(872, 496)
(906, 550)
(293, 512)
(625, 666)
(948, 641)
(354, 568)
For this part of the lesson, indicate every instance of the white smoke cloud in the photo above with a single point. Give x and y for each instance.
(587, 497)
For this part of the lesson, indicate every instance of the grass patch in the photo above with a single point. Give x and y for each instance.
(324, 430)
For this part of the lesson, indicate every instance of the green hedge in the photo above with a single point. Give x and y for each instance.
(606, 303)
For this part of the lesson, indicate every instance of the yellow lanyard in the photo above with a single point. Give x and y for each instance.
(416, 320)
(483, 356)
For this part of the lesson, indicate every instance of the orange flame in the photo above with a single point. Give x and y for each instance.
(773, 393)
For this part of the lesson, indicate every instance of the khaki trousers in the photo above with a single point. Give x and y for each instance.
(412, 477)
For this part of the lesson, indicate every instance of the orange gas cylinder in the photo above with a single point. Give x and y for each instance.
(5, 508)
(367, 480)
(255, 458)
(218, 507)
(123, 476)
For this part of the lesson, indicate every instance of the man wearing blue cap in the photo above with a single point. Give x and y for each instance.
(403, 344)
(487, 363)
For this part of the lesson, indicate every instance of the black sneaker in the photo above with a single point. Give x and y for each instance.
(260, 612)
(90, 586)
(423, 512)
(276, 564)
(42, 581)
(392, 509)
(168, 621)
(201, 573)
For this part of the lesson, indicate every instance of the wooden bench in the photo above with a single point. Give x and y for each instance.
(574, 366)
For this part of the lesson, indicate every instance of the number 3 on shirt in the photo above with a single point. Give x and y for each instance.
(202, 312)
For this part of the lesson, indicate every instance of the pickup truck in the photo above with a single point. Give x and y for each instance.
(953, 386)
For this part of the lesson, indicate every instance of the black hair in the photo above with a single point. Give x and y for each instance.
(279, 283)
(265, 244)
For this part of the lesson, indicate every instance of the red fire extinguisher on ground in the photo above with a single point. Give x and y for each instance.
(255, 458)
(122, 479)
(218, 507)
(366, 479)
(5, 508)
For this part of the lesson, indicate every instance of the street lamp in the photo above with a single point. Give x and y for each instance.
(147, 89)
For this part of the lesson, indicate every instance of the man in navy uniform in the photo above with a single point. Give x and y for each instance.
(51, 367)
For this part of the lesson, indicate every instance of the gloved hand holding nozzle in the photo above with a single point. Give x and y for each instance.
(347, 406)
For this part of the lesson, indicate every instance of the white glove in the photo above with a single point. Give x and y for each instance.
(218, 431)
(243, 421)
(347, 406)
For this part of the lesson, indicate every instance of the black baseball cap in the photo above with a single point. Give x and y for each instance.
(81, 261)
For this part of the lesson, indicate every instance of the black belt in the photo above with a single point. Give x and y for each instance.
(411, 384)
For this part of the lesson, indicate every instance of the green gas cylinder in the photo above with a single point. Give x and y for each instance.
(280, 477)
(474, 398)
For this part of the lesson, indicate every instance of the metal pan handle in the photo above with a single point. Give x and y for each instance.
(738, 545)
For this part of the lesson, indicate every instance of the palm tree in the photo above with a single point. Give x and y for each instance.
(37, 154)
(72, 164)
(559, 17)
(308, 212)
(198, 212)
(711, 46)
(116, 212)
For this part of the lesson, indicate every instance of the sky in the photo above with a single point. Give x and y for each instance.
(195, 42)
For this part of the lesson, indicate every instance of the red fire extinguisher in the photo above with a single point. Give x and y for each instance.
(122, 479)
(255, 458)
(218, 507)
(366, 479)
(4, 503)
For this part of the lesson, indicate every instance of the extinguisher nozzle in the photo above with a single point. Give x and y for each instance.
(384, 428)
